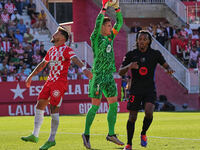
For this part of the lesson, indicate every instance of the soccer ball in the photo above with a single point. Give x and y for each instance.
(112, 2)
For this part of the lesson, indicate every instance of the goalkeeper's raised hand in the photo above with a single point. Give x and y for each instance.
(115, 6)
(105, 4)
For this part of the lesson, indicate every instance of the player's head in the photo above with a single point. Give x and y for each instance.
(143, 39)
(106, 26)
(60, 35)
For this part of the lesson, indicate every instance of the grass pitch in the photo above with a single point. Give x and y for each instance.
(169, 131)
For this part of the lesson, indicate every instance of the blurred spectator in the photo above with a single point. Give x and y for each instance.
(71, 72)
(194, 55)
(19, 51)
(36, 46)
(2, 26)
(31, 8)
(11, 26)
(6, 45)
(42, 51)
(4, 75)
(3, 34)
(27, 70)
(5, 17)
(18, 36)
(183, 32)
(10, 7)
(28, 36)
(44, 76)
(10, 77)
(37, 58)
(19, 5)
(42, 20)
(195, 35)
(15, 16)
(21, 26)
(27, 60)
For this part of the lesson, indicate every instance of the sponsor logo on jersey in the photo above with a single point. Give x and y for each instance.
(143, 71)
(108, 49)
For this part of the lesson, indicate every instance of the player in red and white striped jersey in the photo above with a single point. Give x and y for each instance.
(59, 57)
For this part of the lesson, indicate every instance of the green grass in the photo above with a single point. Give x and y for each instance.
(169, 131)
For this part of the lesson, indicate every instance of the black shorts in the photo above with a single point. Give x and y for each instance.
(137, 101)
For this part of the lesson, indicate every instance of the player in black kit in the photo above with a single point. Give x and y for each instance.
(142, 62)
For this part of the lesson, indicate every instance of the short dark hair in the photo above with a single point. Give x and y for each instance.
(144, 32)
(64, 32)
(106, 19)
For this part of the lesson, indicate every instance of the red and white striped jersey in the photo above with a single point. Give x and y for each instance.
(10, 8)
(6, 45)
(5, 17)
(59, 59)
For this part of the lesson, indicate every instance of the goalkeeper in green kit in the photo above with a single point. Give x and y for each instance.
(103, 69)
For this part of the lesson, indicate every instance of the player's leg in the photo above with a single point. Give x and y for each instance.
(54, 126)
(88, 122)
(111, 118)
(96, 94)
(133, 105)
(149, 108)
(130, 127)
(57, 92)
(110, 92)
(39, 116)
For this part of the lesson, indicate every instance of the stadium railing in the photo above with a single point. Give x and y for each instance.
(51, 23)
(175, 5)
(190, 79)
(84, 51)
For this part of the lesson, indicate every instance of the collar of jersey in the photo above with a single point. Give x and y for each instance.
(59, 46)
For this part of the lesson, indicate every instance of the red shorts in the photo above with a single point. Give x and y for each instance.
(54, 92)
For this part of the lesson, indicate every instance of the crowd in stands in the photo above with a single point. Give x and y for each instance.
(20, 52)
(182, 42)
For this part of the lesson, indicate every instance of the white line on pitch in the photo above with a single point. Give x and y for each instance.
(156, 137)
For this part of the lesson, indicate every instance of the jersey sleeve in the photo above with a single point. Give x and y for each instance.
(69, 53)
(46, 58)
(118, 24)
(97, 28)
(161, 59)
(127, 59)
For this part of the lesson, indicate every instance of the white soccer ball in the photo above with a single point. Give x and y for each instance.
(112, 2)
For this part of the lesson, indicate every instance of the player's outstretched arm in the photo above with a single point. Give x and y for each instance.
(81, 65)
(119, 19)
(37, 69)
(99, 20)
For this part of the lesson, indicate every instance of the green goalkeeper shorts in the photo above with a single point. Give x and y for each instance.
(102, 83)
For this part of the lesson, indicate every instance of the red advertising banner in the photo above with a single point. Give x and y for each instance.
(17, 100)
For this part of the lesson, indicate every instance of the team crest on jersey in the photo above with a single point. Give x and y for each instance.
(56, 93)
(108, 49)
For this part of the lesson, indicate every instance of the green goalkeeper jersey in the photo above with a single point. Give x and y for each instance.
(102, 46)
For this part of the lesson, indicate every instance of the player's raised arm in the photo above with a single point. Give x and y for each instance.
(119, 19)
(99, 20)
(81, 65)
(37, 69)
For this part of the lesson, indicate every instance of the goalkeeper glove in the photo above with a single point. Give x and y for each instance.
(115, 6)
(105, 4)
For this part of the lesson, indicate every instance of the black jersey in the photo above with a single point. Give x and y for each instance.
(143, 78)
